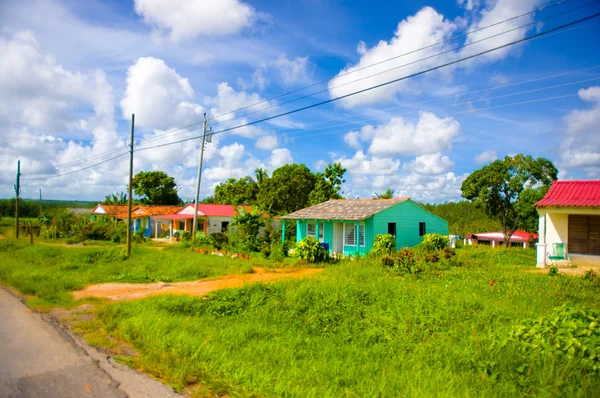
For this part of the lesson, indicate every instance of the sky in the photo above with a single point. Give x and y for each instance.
(72, 73)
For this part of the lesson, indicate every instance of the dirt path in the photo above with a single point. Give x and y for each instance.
(132, 291)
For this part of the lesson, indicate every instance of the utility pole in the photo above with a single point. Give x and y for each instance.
(41, 209)
(195, 226)
(129, 198)
(17, 193)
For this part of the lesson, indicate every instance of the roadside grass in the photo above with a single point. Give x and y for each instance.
(360, 330)
(50, 273)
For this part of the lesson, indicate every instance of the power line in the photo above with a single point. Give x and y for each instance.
(78, 170)
(367, 67)
(534, 36)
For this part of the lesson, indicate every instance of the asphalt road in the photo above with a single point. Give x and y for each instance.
(38, 359)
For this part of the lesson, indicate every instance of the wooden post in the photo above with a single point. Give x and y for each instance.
(130, 199)
(30, 232)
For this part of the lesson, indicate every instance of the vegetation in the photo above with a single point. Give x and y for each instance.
(364, 330)
(465, 217)
(388, 194)
(115, 199)
(31, 208)
(309, 249)
(155, 188)
(507, 189)
(383, 244)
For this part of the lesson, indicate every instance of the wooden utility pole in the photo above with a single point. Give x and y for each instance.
(17, 194)
(130, 198)
(195, 225)
(41, 209)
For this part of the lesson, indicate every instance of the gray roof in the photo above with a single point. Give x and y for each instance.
(79, 210)
(345, 209)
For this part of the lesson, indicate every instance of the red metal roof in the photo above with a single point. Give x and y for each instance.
(518, 236)
(209, 210)
(175, 217)
(576, 193)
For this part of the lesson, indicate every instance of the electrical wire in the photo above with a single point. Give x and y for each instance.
(527, 38)
(78, 170)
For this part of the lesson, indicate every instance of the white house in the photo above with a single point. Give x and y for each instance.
(570, 214)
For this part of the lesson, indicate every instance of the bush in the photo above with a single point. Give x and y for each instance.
(387, 261)
(204, 240)
(279, 250)
(186, 236)
(448, 252)
(570, 335)
(435, 241)
(405, 260)
(310, 250)
(553, 271)
(433, 257)
(138, 237)
(383, 245)
(220, 240)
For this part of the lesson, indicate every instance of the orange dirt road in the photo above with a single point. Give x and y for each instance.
(132, 291)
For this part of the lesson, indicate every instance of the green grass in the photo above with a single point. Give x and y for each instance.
(357, 330)
(50, 272)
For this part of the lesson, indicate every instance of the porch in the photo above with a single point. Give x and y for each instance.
(181, 223)
(337, 236)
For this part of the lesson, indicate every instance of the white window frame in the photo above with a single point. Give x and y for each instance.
(353, 228)
(314, 233)
(361, 235)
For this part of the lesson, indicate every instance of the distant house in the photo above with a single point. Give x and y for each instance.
(144, 217)
(350, 226)
(519, 238)
(212, 218)
(570, 214)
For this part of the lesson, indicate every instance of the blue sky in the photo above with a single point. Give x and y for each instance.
(72, 72)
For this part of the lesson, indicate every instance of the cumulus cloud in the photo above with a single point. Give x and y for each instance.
(486, 156)
(280, 157)
(423, 29)
(432, 164)
(158, 96)
(187, 19)
(363, 164)
(581, 144)
(267, 142)
(429, 135)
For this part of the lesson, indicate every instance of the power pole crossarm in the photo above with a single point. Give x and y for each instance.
(129, 198)
(195, 224)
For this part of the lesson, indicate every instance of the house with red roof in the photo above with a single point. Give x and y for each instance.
(212, 218)
(143, 217)
(570, 215)
(518, 238)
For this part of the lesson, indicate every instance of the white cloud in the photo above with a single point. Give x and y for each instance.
(158, 96)
(362, 164)
(352, 139)
(187, 19)
(280, 157)
(581, 145)
(400, 137)
(432, 164)
(423, 29)
(292, 70)
(486, 156)
(267, 142)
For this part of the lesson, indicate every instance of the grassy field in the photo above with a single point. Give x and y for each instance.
(358, 330)
(355, 330)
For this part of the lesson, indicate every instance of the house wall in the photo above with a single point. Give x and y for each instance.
(407, 215)
(214, 223)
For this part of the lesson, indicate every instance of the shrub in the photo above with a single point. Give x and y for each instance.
(387, 261)
(383, 244)
(186, 236)
(279, 250)
(435, 241)
(220, 240)
(204, 240)
(265, 249)
(571, 335)
(448, 252)
(553, 271)
(138, 237)
(432, 257)
(310, 250)
(405, 260)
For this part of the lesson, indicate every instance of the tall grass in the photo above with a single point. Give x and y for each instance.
(51, 272)
(359, 330)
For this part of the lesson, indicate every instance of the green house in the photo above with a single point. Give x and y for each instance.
(349, 226)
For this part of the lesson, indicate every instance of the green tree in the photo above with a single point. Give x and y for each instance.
(155, 188)
(247, 226)
(388, 194)
(261, 175)
(498, 187)
(287, 190)
(241, 191)
(328, 184)
(115, 199)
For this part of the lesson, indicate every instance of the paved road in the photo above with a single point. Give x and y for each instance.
(40, 360)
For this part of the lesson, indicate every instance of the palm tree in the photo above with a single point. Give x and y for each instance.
(261, 175)
(115, 199)
(388, 194)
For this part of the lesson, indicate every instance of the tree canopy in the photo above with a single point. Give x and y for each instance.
(507, 189)
(155, 188)
(388, 194)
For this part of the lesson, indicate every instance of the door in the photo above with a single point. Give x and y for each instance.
(392, 229)
(584, 234)
(224, 226)
(338, 238)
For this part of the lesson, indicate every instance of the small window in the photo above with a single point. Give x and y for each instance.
(361, 235)
(224, 226)
(321, 231)
(311, 230)
(349, 234)
(422, 229)
(181, 225)
(200, 225)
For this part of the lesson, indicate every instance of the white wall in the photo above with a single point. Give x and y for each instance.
(214, 223)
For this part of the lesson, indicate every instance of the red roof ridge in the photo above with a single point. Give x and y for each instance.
(572, 193)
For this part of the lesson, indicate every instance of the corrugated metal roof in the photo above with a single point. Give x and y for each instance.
(576, 193)
(518, 236)
(344, 209)
(218, 210)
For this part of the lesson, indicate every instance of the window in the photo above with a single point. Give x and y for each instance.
(349, 234)
(311, 230)
(181, 225)
(422, 229)
(200, 225)
(361, 234)
(224, 226)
